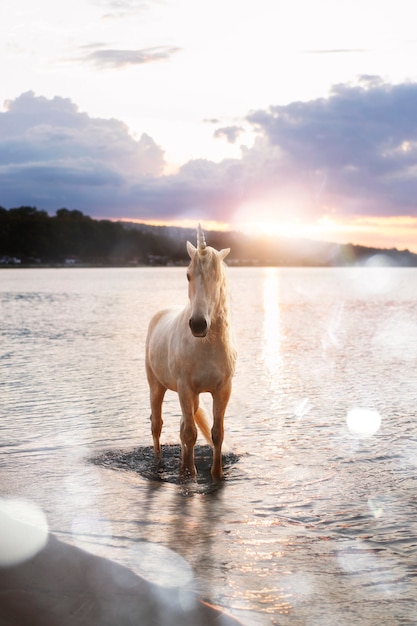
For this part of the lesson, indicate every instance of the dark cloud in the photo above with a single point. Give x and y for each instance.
(360, 142)
(53, 155)
(113, 59)
(201, 190)
(352, 153)
(230, 133)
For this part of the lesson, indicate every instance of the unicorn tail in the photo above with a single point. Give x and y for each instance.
(201, 419)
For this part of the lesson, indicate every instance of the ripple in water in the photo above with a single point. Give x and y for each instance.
(142, 461)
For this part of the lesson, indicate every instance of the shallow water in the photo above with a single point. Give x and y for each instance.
(316, 521)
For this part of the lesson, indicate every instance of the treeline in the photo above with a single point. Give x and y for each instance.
(29, 236)
(32, 236)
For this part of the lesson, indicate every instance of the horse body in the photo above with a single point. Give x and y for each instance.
(190, 350)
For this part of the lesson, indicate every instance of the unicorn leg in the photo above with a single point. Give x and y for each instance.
(157, 393)
(188, 433)
(220, 399)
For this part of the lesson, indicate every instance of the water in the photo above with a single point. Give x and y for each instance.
(316, 522)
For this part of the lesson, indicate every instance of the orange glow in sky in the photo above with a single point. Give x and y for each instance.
(381, 232)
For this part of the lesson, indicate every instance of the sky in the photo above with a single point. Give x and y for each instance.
(295, 118)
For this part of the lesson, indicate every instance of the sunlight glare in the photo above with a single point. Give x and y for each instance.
(376, 508)
(396, 338)
(85, 526)
(376, 232)
(355, 556)
(274, 228)
(160, 565)
(23, 531)
(302, 408)
(271, 352)
(324, 228)
(363, 423)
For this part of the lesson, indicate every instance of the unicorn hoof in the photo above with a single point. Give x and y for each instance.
(157, 461)
(217, 476)
(187, 474)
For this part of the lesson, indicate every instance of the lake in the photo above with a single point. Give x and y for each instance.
(316, 521)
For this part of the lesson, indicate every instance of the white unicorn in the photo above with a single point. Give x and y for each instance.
(190, 350)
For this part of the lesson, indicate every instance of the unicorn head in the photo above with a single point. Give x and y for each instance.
(206, 279)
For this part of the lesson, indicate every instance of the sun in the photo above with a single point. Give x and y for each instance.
(279, 228)
(380, 232)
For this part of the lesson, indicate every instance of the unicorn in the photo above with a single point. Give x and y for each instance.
(190, 350)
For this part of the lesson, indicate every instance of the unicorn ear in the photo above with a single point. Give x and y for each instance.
(223, 253)
(191, 250)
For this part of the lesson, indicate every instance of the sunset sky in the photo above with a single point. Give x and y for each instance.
(297, 118)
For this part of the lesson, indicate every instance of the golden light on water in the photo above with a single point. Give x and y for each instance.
(271, 352)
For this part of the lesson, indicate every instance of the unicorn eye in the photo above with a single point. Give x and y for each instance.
(188, 276)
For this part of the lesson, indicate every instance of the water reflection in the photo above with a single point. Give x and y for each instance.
(177, 535)
(271, 352)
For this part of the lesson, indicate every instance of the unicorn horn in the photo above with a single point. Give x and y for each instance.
(201, 242)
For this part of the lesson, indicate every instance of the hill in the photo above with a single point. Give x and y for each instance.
(281, 251)
(32, 237)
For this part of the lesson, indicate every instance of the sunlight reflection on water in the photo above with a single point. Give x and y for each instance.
(271, 353)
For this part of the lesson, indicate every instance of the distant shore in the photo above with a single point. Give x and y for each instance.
(32, 238)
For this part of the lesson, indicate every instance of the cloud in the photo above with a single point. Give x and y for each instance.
(114, 59)
(352, 154)
(200, 190)
(117, 9)
(356, 151)
(230, 133)
(53, 155)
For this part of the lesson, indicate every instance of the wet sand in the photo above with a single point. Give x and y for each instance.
(65, 586)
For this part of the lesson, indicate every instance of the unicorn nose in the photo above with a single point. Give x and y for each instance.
(198, 326)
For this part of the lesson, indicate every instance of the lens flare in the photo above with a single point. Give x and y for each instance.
(23, 531)
(160, 565)
(363, 423)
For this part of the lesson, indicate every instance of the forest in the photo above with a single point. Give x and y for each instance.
(29, 236)
(33, 237)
